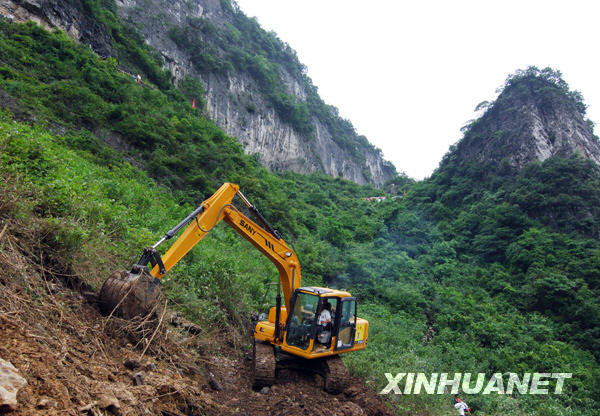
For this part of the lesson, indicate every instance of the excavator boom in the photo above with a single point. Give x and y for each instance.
(198, 224)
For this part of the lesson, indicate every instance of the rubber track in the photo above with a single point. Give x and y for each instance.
(263, 365)
(337, 377)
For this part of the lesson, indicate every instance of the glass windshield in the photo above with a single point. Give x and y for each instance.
(301, 320)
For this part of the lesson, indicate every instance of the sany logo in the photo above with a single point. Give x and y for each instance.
(248, 227)
(530, 383)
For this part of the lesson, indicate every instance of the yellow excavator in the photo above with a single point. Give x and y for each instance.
(315, 324)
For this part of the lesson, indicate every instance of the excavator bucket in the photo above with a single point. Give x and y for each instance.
(127, 294)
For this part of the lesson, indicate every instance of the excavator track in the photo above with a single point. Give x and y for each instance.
(337, 377)
(263, 365)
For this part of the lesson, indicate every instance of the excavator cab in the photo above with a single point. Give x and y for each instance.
(305, 336)
(300, 334)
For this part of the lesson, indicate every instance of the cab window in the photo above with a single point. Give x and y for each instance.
(301, 321)
(348, 309)
(347, 325)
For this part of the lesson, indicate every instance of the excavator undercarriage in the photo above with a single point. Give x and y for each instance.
(267, 361)
(264, 364)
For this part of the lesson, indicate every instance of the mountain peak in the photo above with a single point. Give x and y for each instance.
(535, 117)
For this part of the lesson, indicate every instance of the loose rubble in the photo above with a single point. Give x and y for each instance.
(10, 384)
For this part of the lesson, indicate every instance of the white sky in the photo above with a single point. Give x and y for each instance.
(408, 74)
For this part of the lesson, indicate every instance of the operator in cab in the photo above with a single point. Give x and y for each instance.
(324, 322)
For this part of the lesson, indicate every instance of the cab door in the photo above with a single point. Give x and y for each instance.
(346, 324)
(301, 322)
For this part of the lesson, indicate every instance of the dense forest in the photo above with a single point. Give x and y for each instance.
(476, 269)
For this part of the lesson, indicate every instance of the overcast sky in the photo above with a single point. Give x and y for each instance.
(408, 74)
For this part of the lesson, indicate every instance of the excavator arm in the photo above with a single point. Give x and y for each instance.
(217, 208)
(199, 223)
(135, 292)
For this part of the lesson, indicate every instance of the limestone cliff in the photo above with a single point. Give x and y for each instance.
(238, 100)
(265, 100)
(535, 117)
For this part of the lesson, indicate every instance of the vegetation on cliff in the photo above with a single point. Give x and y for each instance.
(243, 46)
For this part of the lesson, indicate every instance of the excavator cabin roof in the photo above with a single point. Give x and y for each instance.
(325, 291)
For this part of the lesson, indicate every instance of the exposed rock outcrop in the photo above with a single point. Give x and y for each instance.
(233, 98)
(533, 119)
(236, 104)
(68, 16)
(10, 384)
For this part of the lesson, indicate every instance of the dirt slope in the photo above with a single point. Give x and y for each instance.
(76, 361)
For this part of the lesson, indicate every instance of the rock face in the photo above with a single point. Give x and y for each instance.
(235, 102)
(278, 145)
(10, 384)
(233, 98)
(532, 120)
(66, 15)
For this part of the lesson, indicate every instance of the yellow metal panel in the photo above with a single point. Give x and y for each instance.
(265, 331)
(361, 333)
(282, 314)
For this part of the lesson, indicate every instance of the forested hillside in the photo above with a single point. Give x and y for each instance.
(480, 268)
(256, 88)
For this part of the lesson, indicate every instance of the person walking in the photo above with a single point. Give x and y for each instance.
(461, 406)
